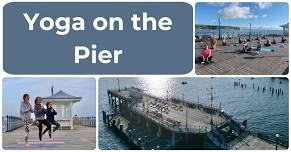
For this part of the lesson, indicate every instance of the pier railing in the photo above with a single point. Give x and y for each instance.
(88, 121)
(271, 138)
(204, 107)
(241, 34)
(10, 123)
(166, 123)
(175, 100)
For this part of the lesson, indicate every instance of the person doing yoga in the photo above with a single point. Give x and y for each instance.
(246, 47)
(268, 42)
(206, 54)
(25, 114)
(50, 117)
(39, 113)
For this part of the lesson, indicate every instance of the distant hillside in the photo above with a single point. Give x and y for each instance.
(214, 27)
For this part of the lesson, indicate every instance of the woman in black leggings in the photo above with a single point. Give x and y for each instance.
(39, 113)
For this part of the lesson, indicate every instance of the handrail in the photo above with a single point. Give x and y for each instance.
(10, 123)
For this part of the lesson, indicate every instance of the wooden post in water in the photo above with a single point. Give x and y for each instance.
(104, 116)
(108, 120)
(173, 141)
(109, 99)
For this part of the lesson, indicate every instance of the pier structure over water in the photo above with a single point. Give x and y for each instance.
(148, 122)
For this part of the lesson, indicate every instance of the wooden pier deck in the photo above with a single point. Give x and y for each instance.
(147, 121)
(229, 61)
(81, 138)
(196, 118)
(255, 143)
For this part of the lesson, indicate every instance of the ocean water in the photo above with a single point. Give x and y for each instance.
(264, 112)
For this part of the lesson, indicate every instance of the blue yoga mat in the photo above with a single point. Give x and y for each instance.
(262, 49)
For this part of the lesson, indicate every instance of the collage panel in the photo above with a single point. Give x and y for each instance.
(167, 113)
(242, 38)
(211, 107)
(48, 113)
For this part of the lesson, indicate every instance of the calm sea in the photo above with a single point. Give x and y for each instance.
(264, 112)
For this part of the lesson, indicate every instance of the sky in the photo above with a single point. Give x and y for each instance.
(261, 15)
(14, 88)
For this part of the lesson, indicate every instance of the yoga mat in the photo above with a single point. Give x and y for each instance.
(262, 49)
(30, 146)
(47, 139)
(41, 142)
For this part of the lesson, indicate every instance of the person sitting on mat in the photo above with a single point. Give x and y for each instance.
(274, 40)
(246, 46)
(268, 42)
(257, 38)
(39, 113)
(259, 45)
(224, 41)
(206, 54)
(240, 40)
(283, 40)
(213, 43)
(50, 117)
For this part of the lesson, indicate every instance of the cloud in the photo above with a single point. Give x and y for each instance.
(235, 11)
(217, 3)
(264, 15)
(264, 5)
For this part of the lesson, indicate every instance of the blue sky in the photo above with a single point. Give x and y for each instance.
(261, 15)
(14, 88)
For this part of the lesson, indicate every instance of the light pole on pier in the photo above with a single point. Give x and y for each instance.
(187, 118)
(147, 108)
(118, 84)
(277, 140)
(184, 83)
(219, 34)
(250, 35)
(211, 100)
(168, 92)
(162, 114)
(183, 98)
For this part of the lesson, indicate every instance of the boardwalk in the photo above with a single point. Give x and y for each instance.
(196, 118)
(229, 60)
(81, 138)
(255, 143)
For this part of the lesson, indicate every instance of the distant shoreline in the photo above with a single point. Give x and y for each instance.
(214, 27)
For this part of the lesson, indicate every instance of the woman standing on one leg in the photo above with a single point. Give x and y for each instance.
(39, 113)
(50, 116)
(25, 113)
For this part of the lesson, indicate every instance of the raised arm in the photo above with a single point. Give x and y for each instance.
(55, 113)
